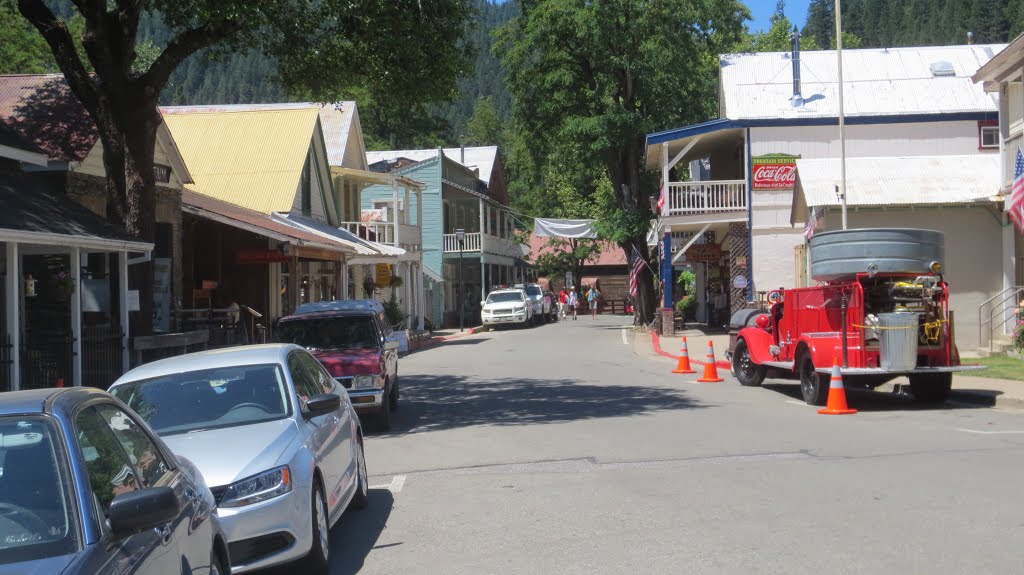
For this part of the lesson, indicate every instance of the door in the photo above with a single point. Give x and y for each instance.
(111, 473)
(341, 451)
(191, 530)
(327, 436)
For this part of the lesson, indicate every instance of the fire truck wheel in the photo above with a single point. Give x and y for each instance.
(747, 372)
(932, 388)
(813, 386)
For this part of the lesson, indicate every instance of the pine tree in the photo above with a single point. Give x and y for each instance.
(821, 22)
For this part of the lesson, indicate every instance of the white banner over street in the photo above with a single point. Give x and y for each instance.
(572, 229)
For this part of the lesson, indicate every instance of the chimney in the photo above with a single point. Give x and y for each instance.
(462, 154)
(794, 40)
(970, 38)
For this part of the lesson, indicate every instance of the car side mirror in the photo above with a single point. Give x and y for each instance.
(321, 404)
(142, 509)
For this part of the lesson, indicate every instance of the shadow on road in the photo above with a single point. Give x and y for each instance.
(353, 537)
(446, 402)
(869, 401)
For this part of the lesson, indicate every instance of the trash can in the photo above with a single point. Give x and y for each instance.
(898, 340)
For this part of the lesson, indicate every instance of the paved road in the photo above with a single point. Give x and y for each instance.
(569, 448)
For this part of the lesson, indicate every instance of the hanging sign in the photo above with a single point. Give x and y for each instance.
(739, 282)
(774, 172)
(704, 253)
(383, 274)
(162, 173)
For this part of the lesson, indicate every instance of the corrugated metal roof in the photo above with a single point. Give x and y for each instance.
(361, 246)
(878, 82)
(42, 110)
(481, 157)
(250, 158)
(923, 180)
(336, 121)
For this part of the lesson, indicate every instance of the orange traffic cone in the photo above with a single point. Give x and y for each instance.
(710, 369)
(836, 394)
(684, 360)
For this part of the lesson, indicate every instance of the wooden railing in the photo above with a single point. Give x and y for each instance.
(380, 232)
(471, 243)
(693, 198)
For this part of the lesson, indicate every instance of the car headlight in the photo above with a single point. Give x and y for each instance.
(365, 381)
(261, 487)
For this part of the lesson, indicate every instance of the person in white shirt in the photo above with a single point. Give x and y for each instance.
(574, 300)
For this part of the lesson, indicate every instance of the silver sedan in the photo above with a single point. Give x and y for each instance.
(272, 432)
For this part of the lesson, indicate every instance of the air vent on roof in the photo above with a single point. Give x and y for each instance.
(942, 68)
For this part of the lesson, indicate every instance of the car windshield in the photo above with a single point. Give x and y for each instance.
(534, 291)
(342, 332)
(504, 297)
(36, 520)
(208, 398)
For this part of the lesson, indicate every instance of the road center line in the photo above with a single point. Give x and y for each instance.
(980, 432)
(624, 340)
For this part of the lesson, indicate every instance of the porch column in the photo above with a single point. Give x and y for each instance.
(344, 279)
(481, 229)
(394, 200)
(341, 279)
(666, 267)
(410, 302)
(422, 296)
(122, 290)
(13, 304)
(76, 317)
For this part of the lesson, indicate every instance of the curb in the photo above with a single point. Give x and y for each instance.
(972, 396)
(656, 344)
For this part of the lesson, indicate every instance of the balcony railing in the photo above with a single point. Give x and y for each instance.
(477, 242)
(380, 232)
(696, 198)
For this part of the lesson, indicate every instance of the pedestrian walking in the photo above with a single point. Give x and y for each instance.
(574, 301)
(563, 301)
(593, 298)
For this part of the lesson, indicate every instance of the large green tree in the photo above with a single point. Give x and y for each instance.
(22, 49)
(601, 74)
(402, 51)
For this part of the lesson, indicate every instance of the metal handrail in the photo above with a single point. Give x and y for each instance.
(1009, 294)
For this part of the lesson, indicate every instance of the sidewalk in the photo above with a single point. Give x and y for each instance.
(966, 388)
(440, 336)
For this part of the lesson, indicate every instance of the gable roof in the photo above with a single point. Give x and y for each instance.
(250, 158)
(877, 82)
(481, 157)
(42, 109)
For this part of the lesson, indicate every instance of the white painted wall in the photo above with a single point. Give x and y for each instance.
(973, 254)
(867, 141)
(773, 257)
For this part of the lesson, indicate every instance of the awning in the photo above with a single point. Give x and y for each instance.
(574, 229)
(254, 222)
(34, 212)
(900, 181)
(361, 246)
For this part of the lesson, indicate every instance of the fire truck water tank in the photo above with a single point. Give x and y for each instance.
(898, 340)
(841, 255)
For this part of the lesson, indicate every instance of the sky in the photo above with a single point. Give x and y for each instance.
(762, 10)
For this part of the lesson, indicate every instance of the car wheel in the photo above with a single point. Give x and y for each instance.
(383, 422)
(218, 564)
(393, 397)
(931, 388)
(361, 498)
(746, 371)
(813, 386)
(317, 559)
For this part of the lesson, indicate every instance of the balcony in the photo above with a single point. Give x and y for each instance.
(716, 200)
(384, 232)
(485, 243)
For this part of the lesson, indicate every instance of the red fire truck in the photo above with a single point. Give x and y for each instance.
(881, 309)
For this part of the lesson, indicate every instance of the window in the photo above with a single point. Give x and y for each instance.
(110, 472)
(141, 450)
(319, 376)
(305, 383)
(988, 135)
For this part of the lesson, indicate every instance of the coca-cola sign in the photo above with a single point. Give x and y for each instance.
(774, 172)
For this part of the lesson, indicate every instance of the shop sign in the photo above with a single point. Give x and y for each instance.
(774, 172)
(162, 294)
(741, 261)
(261, 257)
(162, 173)
(708, 253)
(739, 282)
(383, 274)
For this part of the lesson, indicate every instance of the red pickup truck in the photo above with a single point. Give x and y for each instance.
(357, 346)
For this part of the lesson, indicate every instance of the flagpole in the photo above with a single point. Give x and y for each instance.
(842, 127)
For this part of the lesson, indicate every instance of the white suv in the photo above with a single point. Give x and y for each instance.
(506, 306)
(541, 305)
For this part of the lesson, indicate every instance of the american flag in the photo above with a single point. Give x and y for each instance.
(661, 199)
(636, 265)
(812, 224)
(1016, 205)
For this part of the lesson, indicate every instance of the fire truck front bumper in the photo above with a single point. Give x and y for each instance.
(915, 371)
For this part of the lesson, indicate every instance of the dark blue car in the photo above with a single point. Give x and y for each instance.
(86, 487)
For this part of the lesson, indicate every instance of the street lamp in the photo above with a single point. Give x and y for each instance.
(460, 236)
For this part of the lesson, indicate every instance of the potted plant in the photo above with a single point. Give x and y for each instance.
(63, 285)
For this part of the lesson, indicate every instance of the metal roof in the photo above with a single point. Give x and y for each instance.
(250, 158)
(878, 82)
(42, 109)
(1003, 66)
(370, 305)
(901, 181)
(326, 231)
(481, 157)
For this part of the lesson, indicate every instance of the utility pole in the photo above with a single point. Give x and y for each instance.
(842, 120)
(460, 235)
